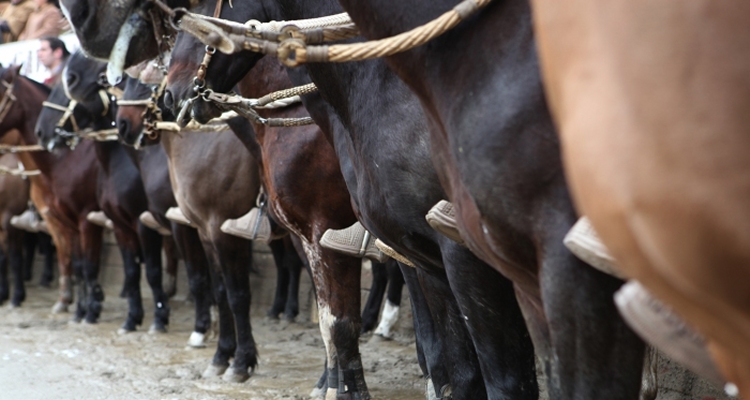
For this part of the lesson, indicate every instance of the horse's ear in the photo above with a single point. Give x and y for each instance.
(16, 69)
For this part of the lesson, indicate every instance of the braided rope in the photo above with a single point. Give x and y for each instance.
(18, 172)
(293, 52)
(6, 148)
(277, 96)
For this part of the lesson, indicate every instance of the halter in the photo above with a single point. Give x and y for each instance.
(8, 99)
(67, 115)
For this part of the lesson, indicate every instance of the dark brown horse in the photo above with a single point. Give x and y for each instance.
(121, 196)
(69, 195)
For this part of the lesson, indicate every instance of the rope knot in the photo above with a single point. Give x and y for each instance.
(292, 52)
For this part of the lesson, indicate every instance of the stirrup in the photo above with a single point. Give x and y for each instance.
(388, 250)
(254, 225)
(659, 326)
(442, 218)
(147, 219)
(101, 219)
(176, 215)
(354, 241)
(26, 221)
(583, 241)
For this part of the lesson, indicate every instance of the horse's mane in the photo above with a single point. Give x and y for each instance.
(44, 88)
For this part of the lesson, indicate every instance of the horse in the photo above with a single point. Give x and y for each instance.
(121, 194)
(14, 195)
(656, 160)
(370, 150)
(209, 196)
(65, 195)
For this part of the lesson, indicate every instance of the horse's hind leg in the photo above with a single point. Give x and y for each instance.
(48, 250)
(196, 265)
(30, 242)
(293, 263)
(594, 354)
(172, 255)
(282, 279)
(4, 283)
(15, 259)
(494, 320)
(91, 243)
(375, 298)
(151, 243)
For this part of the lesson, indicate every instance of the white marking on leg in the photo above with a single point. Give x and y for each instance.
(387, 320)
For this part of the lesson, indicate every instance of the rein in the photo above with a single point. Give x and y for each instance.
(8, 99)
(292, 43)
(6, 148)
(19, 172)
(246, 107)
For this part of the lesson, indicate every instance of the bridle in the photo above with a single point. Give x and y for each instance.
(8, 99)
(152, 114)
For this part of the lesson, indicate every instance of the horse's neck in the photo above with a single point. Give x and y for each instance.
(41, 160)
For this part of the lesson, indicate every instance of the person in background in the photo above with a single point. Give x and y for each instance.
(14, 17)
(52, 54)
(46, 20)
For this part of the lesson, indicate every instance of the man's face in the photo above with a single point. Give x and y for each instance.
(46, 55)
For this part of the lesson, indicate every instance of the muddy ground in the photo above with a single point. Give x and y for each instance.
(44, 356)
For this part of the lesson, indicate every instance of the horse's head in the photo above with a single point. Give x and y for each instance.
(121, 31)
(61, 120)
(222, 71)
(132, 111)
(83, 81)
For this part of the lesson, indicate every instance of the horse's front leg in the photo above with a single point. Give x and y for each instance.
(151, 243)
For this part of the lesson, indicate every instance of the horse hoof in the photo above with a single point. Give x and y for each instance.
(236, 376)
(59, 308)
(197, 340)
(378, 338)
(214, 370)
(318, 393)
(13, 305)
(155, 329)
(124, 331)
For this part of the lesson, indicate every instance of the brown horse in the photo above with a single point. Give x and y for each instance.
(307, 195)
(203, 172)
(651, 101)
(69, 194)
(14, 195)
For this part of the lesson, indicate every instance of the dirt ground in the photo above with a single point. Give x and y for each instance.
(44, 356)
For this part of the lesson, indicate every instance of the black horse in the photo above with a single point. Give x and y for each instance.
(469, 325)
